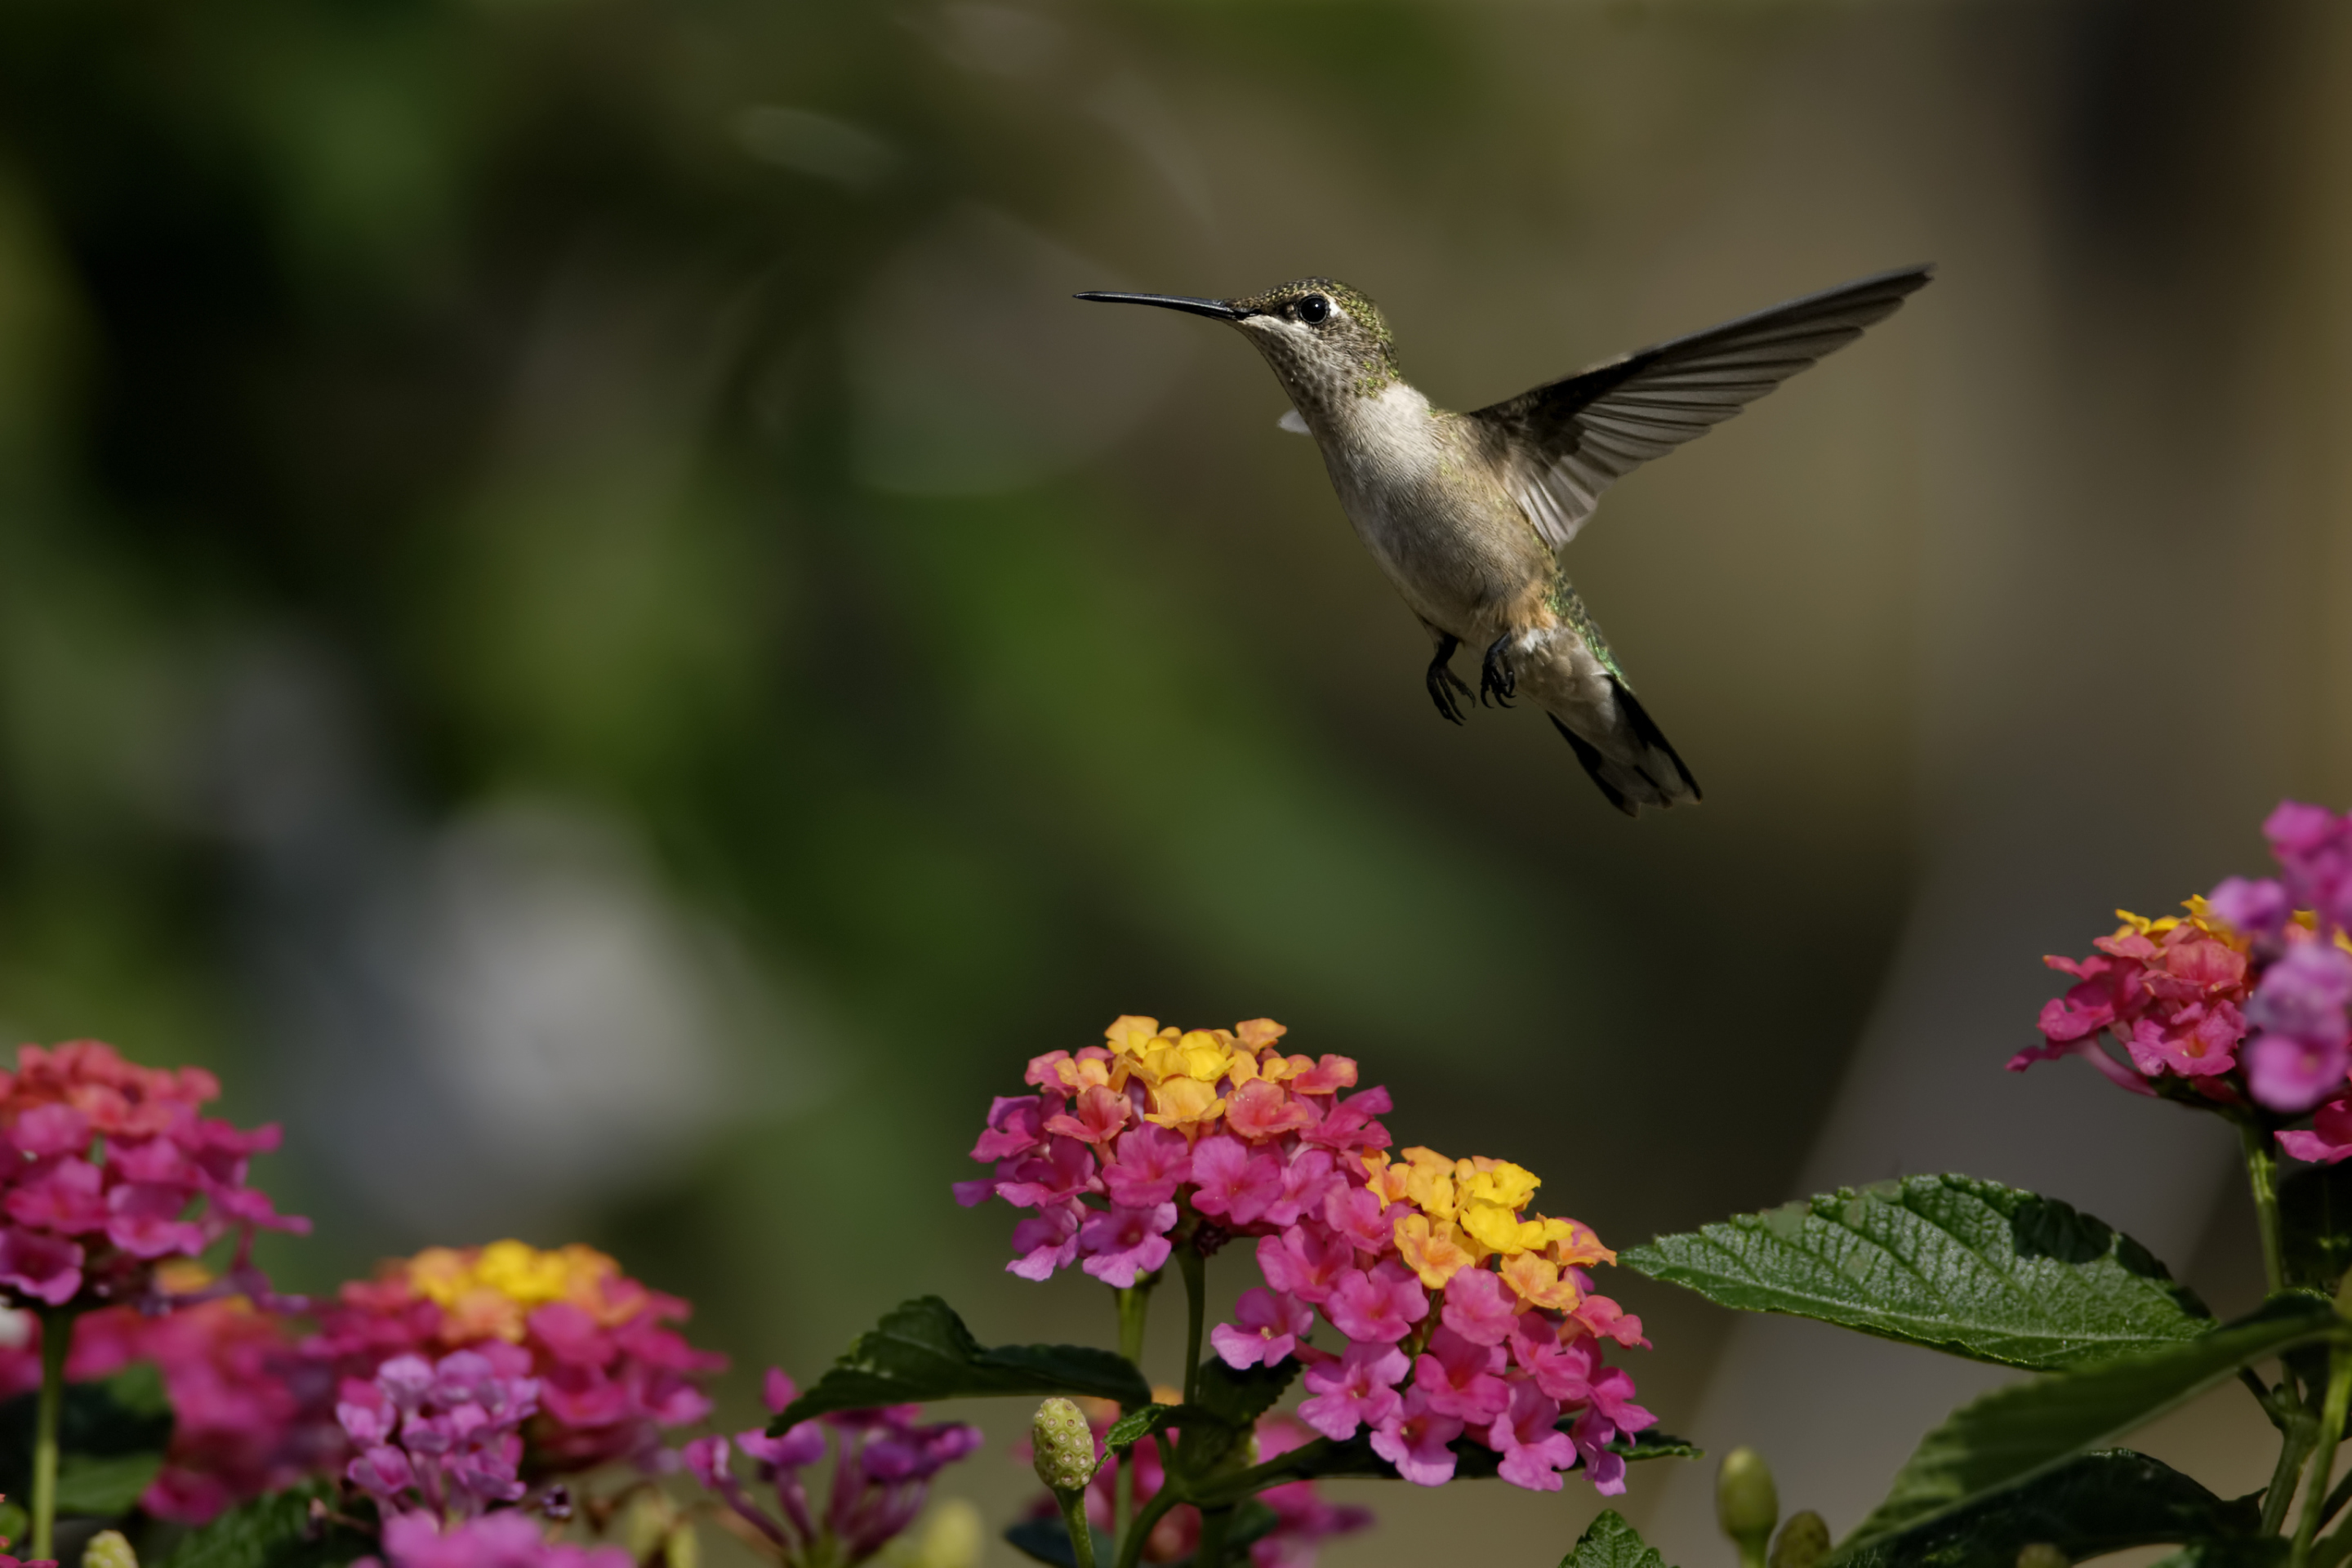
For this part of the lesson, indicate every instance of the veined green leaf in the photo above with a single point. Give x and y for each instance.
(1952, 1263)
(2089, 1505)
(273, 1532)
(1610, 1543)
(922, 1352)
(2012, 1435)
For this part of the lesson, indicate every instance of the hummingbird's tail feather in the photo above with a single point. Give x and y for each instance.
(1638, 766)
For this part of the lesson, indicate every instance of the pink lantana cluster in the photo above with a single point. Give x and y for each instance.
(1303, 1518)
(1461, 1317)
(2241, 1002)
(882, 1472)
(506, 1540)
(611, 1373)
(442, 1438)
(113, 1169)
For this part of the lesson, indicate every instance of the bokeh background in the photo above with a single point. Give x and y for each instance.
(582, 617)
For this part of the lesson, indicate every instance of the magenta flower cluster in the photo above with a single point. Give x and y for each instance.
(883, 1465)
(506, 1540)
(2302, 1045)
(441, 1438)
(112, 1170)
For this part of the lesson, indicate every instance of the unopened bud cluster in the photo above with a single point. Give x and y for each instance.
(1065, 1446)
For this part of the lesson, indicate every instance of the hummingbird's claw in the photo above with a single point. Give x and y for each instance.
(1494, 677)
(1443, 683)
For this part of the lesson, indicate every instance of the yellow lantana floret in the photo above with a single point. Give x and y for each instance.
(492, 1289)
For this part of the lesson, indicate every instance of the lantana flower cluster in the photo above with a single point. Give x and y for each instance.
(610, 1373)
(1458, 1314)
(1303, 1518)
(113, 1169)
(442, 1438)
(2241, 1002)
(884, 1462)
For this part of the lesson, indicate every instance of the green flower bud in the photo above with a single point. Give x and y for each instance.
(1745, 1503)
(2041, 1554)
(1064, 1445)
(108, 1549)
(1804, 1541)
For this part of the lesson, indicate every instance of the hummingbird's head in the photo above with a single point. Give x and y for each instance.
(1325, 340)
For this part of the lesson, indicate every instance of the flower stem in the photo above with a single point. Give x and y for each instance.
(1130, 1545)
(2331, 1432)
(57, 1340)
(2294, 1446)
(2262, 1174)
(1210, 1552)
(1194, 1268)
(1074, 1517)
(1134, 1306)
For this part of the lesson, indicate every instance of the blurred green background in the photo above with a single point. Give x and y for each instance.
(582, 615)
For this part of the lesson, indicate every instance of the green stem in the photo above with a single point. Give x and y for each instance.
(2295, 1439)
(57, 1339)
(2331, 1432)
(1210, 1552)
(1134, 1306)
(1082, 1534)
(1194, 1268)
(2261, 1174)
(1130, 1545)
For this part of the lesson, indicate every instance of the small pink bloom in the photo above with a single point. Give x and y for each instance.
(1358, 1214)
(2291, 1075)
(1480, 1307)
(51, 1130)
(1534, 1452)
(44, 1267)
(1234, 1182)
(1119, 1244)
(1603, 1318)
(1046, 1240)
(64, 1194)
(1357, 1390)
(1101, 1115)
(1414, 1439)
(1328, 1076)
(1381, 1307)
(1305, 1262)
(1593, 1436)
(1351, 1122)
(143, 1219)
(1458, 1378)
(1306, 1181)
(777, 1391)
(1259, 1109)
(2330, 1138)
(1267, 1326)
(1067, 1169)
(1151, 1164)
(1015, 1126)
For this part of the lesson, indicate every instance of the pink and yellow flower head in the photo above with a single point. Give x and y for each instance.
(610, 1372)
(2241, 1002)
(1422, 1264)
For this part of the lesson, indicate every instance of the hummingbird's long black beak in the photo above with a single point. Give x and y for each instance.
(1224, 310)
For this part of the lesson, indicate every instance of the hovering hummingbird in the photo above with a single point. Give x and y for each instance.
(1467, 513)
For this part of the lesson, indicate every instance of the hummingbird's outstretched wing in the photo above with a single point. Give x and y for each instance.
(1569, 440)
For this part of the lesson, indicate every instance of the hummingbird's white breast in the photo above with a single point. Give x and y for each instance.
(1456, 546)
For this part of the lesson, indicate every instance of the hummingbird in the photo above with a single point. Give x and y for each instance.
(1468, 513)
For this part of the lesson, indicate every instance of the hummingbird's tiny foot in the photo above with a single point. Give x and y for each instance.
(1496, 679)
(1443, 683)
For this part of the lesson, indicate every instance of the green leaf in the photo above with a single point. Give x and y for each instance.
(2012, 1436)
(922, 1352)
(1610, 1542)
(274, 1532)
(112, 1432)
(2090, 1505)
(1238, 1397)
(104, 1487)
(1957, 1265)
(1655, 1445)
(1137, 1424)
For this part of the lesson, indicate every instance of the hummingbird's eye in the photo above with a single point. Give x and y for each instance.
(1313, 308)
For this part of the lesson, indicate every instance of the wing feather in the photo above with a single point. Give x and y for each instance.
(1569, 440)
